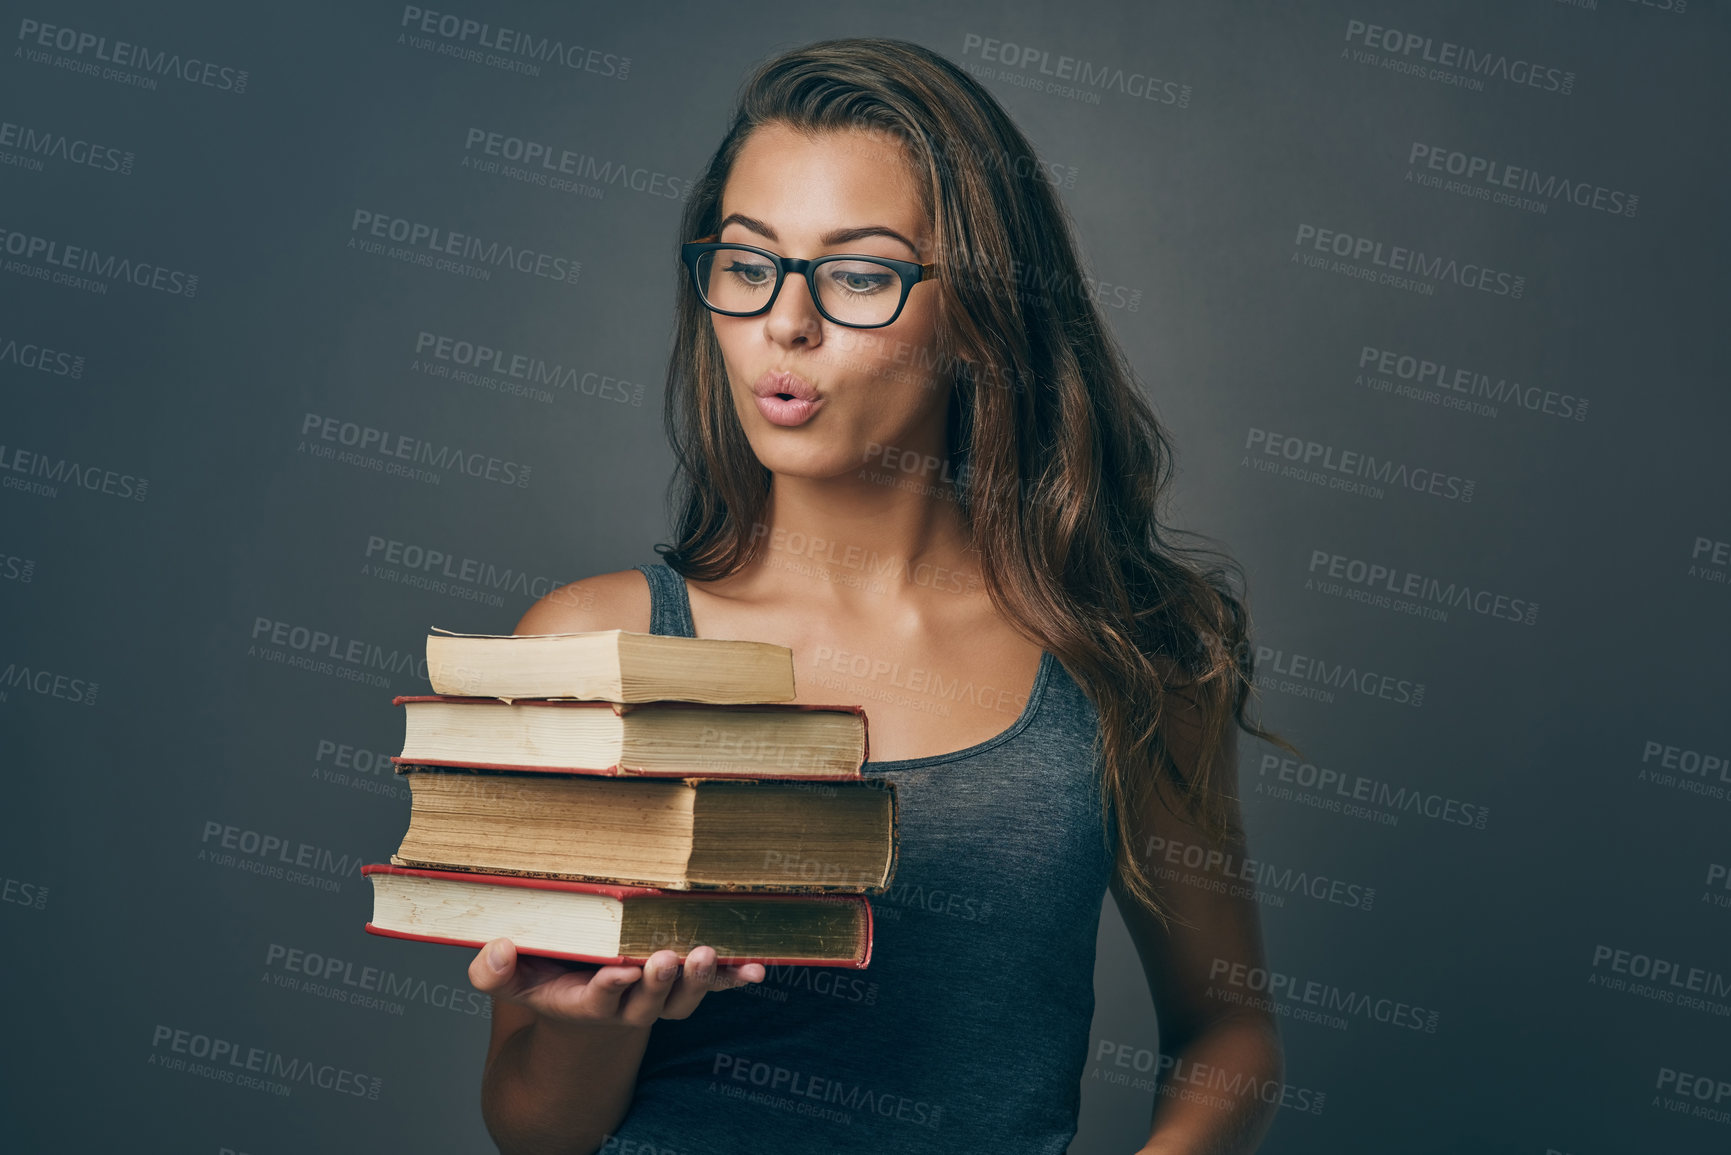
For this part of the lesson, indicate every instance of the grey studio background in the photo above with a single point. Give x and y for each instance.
(1480, 243)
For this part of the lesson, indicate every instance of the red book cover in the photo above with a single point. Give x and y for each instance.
(617, 771)
(615, 890)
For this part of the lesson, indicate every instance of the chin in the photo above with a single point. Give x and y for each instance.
(813, 461)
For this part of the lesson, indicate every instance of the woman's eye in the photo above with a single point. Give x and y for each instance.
(751, 274)
(861, 282)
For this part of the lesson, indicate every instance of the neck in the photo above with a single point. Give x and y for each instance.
(877, 533)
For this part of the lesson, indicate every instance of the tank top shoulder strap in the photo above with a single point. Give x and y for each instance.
(669, 602)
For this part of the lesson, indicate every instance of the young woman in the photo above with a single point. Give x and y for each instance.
(928, 471)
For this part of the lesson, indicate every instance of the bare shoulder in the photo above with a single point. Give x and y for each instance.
(606, 601)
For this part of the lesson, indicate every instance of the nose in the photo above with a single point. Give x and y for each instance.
(794, 314)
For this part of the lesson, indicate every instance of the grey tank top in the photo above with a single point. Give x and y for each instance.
(968, 1030)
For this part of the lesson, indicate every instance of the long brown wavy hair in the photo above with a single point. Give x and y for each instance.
(1065, 466)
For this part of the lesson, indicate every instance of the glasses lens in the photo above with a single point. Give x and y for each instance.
(735, 280)
(858, 292)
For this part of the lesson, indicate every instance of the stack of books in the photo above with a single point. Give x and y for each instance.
(601, 796)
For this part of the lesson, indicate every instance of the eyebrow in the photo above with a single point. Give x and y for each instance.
(833, 237)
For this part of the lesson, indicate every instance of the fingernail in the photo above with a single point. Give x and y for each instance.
(498, 957)
(665, 971)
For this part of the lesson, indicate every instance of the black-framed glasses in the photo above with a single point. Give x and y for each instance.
(854, 290)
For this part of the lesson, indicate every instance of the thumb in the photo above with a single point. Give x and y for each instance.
(494, 968)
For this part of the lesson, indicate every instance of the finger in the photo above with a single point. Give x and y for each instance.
(642, 1004)
(608, 986)
(692, 985)
(728, 977)
(725, 978)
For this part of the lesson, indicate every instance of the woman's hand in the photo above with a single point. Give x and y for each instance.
(621, 996)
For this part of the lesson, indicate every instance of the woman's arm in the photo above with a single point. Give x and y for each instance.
(559, 1088)
(1206, 1043)
(567, 1041)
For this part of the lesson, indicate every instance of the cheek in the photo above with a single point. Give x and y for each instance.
(908, 369)
(733, 343)
(904, 354)
(913, 350)
(727, 339)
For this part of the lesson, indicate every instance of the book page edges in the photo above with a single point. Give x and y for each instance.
(612, 890)
(571, 634)
(624, 892)
(797, 890)
(622, 960)
(616, 771)
(628, 707)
